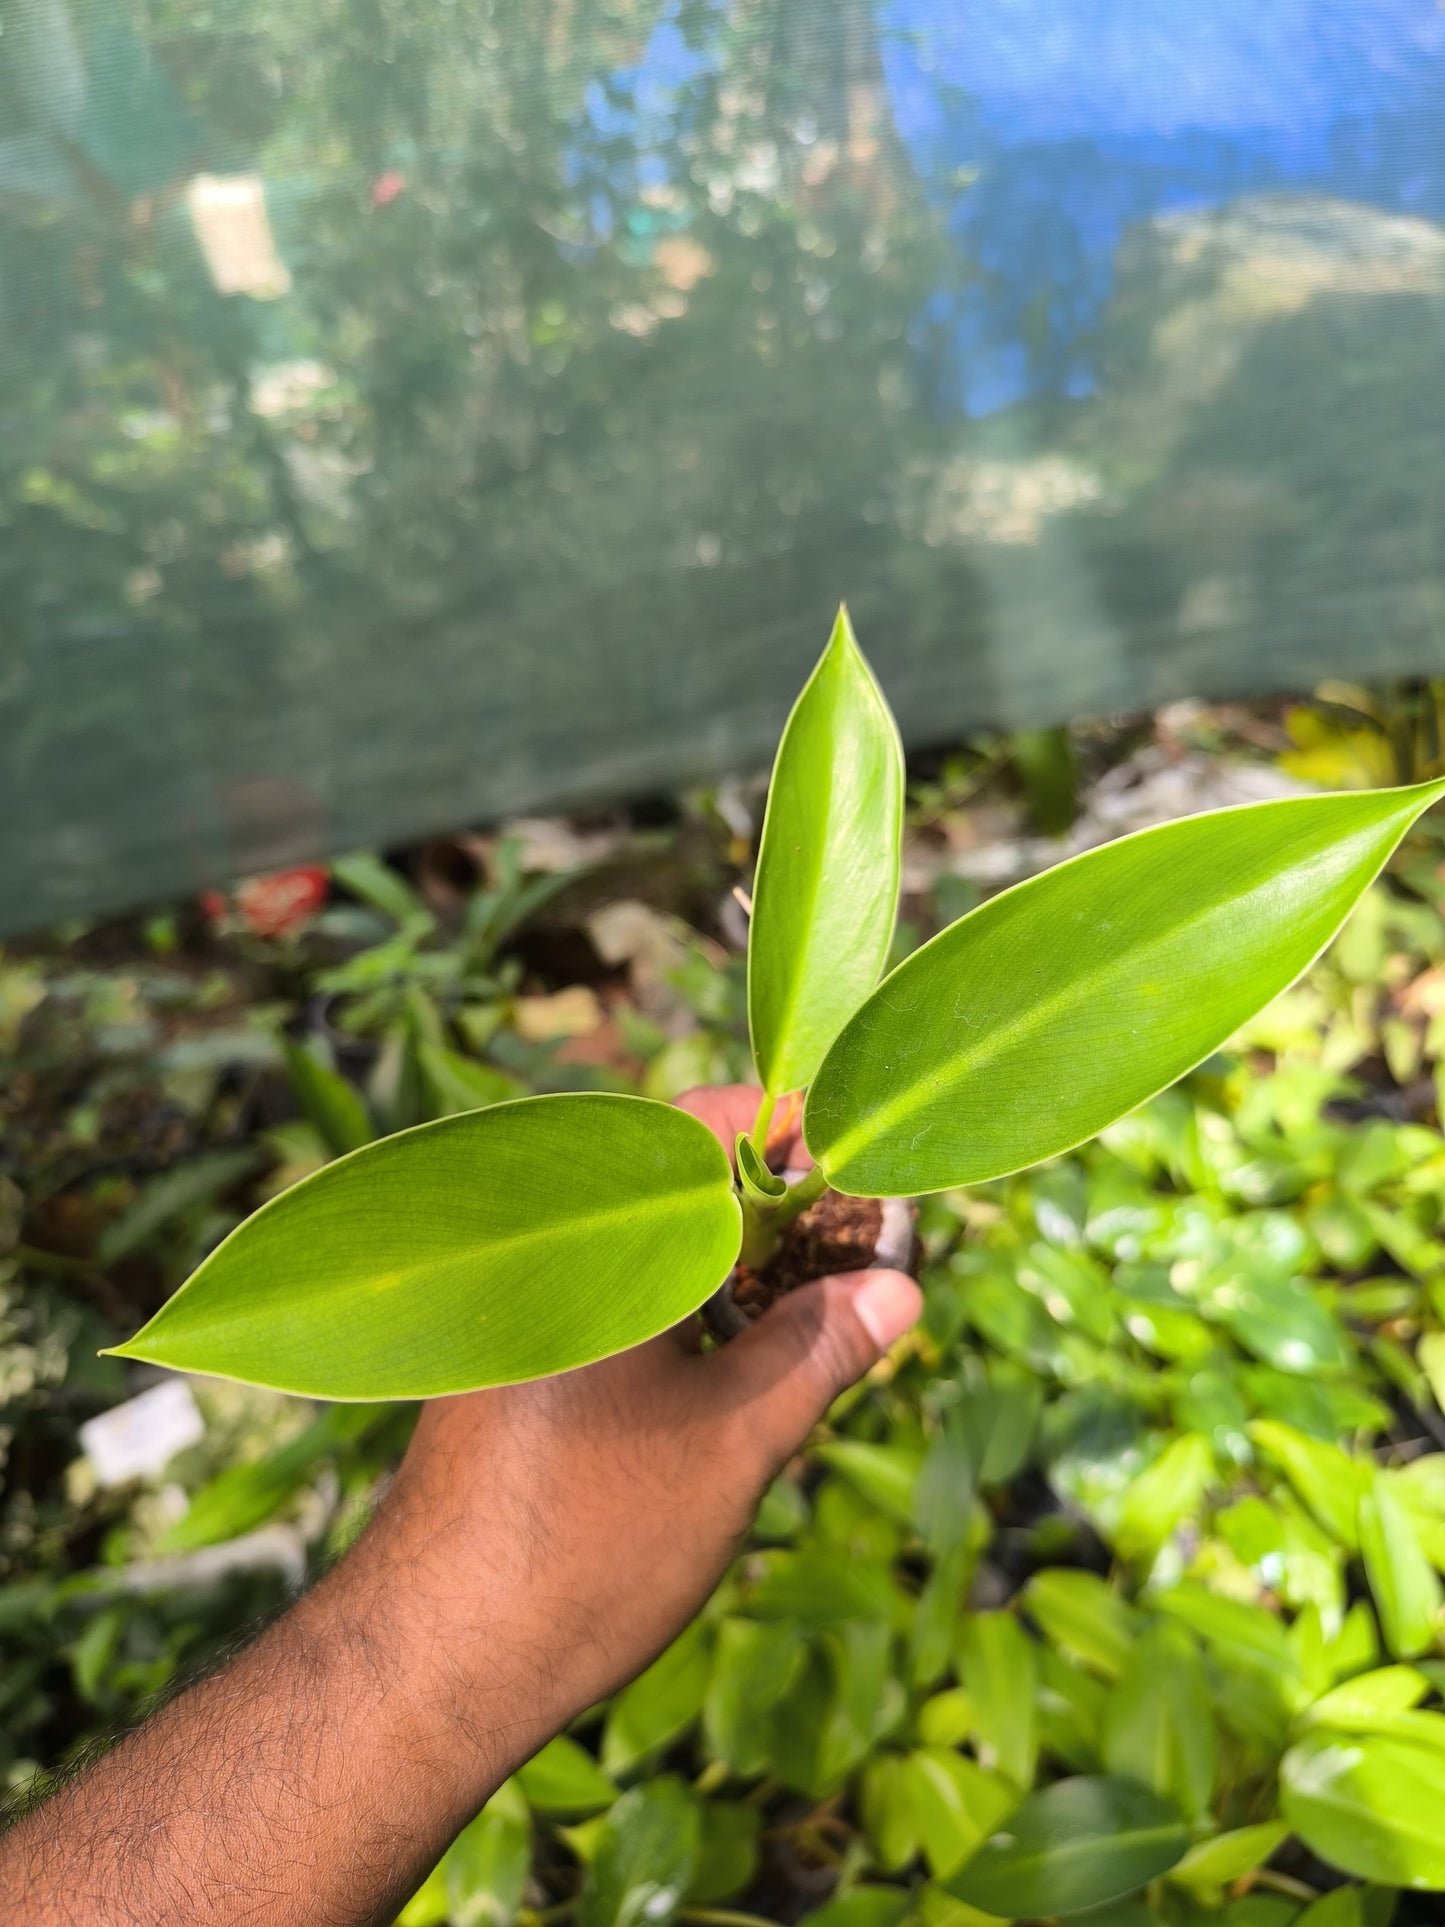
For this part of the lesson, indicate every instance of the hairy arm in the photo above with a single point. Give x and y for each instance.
(314, 1780)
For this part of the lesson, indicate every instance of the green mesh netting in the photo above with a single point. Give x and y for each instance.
(412, 411)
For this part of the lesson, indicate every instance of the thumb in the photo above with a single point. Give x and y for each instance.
(786, 1370)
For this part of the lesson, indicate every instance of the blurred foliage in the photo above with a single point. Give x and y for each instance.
(1117, 1586)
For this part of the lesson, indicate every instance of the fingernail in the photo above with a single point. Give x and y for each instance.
(887, 1306)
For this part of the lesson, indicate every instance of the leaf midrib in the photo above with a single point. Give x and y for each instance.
(1053, 1856)
(868, 1130)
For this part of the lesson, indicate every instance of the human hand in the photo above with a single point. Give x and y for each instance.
(545, 1541)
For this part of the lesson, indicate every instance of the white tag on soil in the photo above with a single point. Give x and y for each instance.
(141, 1437)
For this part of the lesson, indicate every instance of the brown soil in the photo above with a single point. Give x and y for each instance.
(836, 1234)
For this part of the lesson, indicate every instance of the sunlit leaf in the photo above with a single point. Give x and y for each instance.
(500, 1245)
(1369, 1805)
(1034, 1021)
(826, 890)
(1403, 1583)
(1225, 1856)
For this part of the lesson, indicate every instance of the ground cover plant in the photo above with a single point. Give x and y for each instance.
(1131, 1554)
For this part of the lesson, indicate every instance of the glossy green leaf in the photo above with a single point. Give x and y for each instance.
(998, 1664)
(1080, 1843)
(328, 1100)
(826, 890)
(1369, 1805)
(564, 1778)
(1081, 1613)
(1159, 1721)
(660, 1703)
(646, 1851)
(1225, 1856)
(1056, 1007)
(1403, 1583)
(500, 1245)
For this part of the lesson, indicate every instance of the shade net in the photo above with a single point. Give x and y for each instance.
(415, 411)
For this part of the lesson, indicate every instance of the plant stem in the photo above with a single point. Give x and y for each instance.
(759, 1132)
(765, 1222)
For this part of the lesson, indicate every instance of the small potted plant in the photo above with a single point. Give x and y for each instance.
(535, 1236)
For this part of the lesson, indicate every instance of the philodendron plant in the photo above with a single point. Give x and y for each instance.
(535, 1236)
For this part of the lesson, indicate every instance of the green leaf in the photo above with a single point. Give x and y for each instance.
(821, 1588)
(1033, 1022)
(1430, 1353)
(727, 1851)
(826, 890)
(1325, 1478)
(646, 1851)
(754, 1663)
(325, 1097)
(1225, 1856)
(1342, 1908)
(1080, 1843)
(889, 1811)
(1359, 1702)
(1404, 1585)
(455, 1082)
(199, 1181)
(956, 1803)
(885, 1474)
(1159, 1723)
(659, 1703)
(1282, 1321)
(1081, 1613)
(1165, 1493)
(998, 1664)
(564, 1778)
(502, 1245)
(753, 1174)
(861, 1907)
(1369, 1805)
(365, 875)
(244, 1496)
(485, 1868)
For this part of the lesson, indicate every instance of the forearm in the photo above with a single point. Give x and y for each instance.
(316, 1778)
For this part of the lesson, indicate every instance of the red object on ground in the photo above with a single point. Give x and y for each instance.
(274, 905)
(386, 187)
